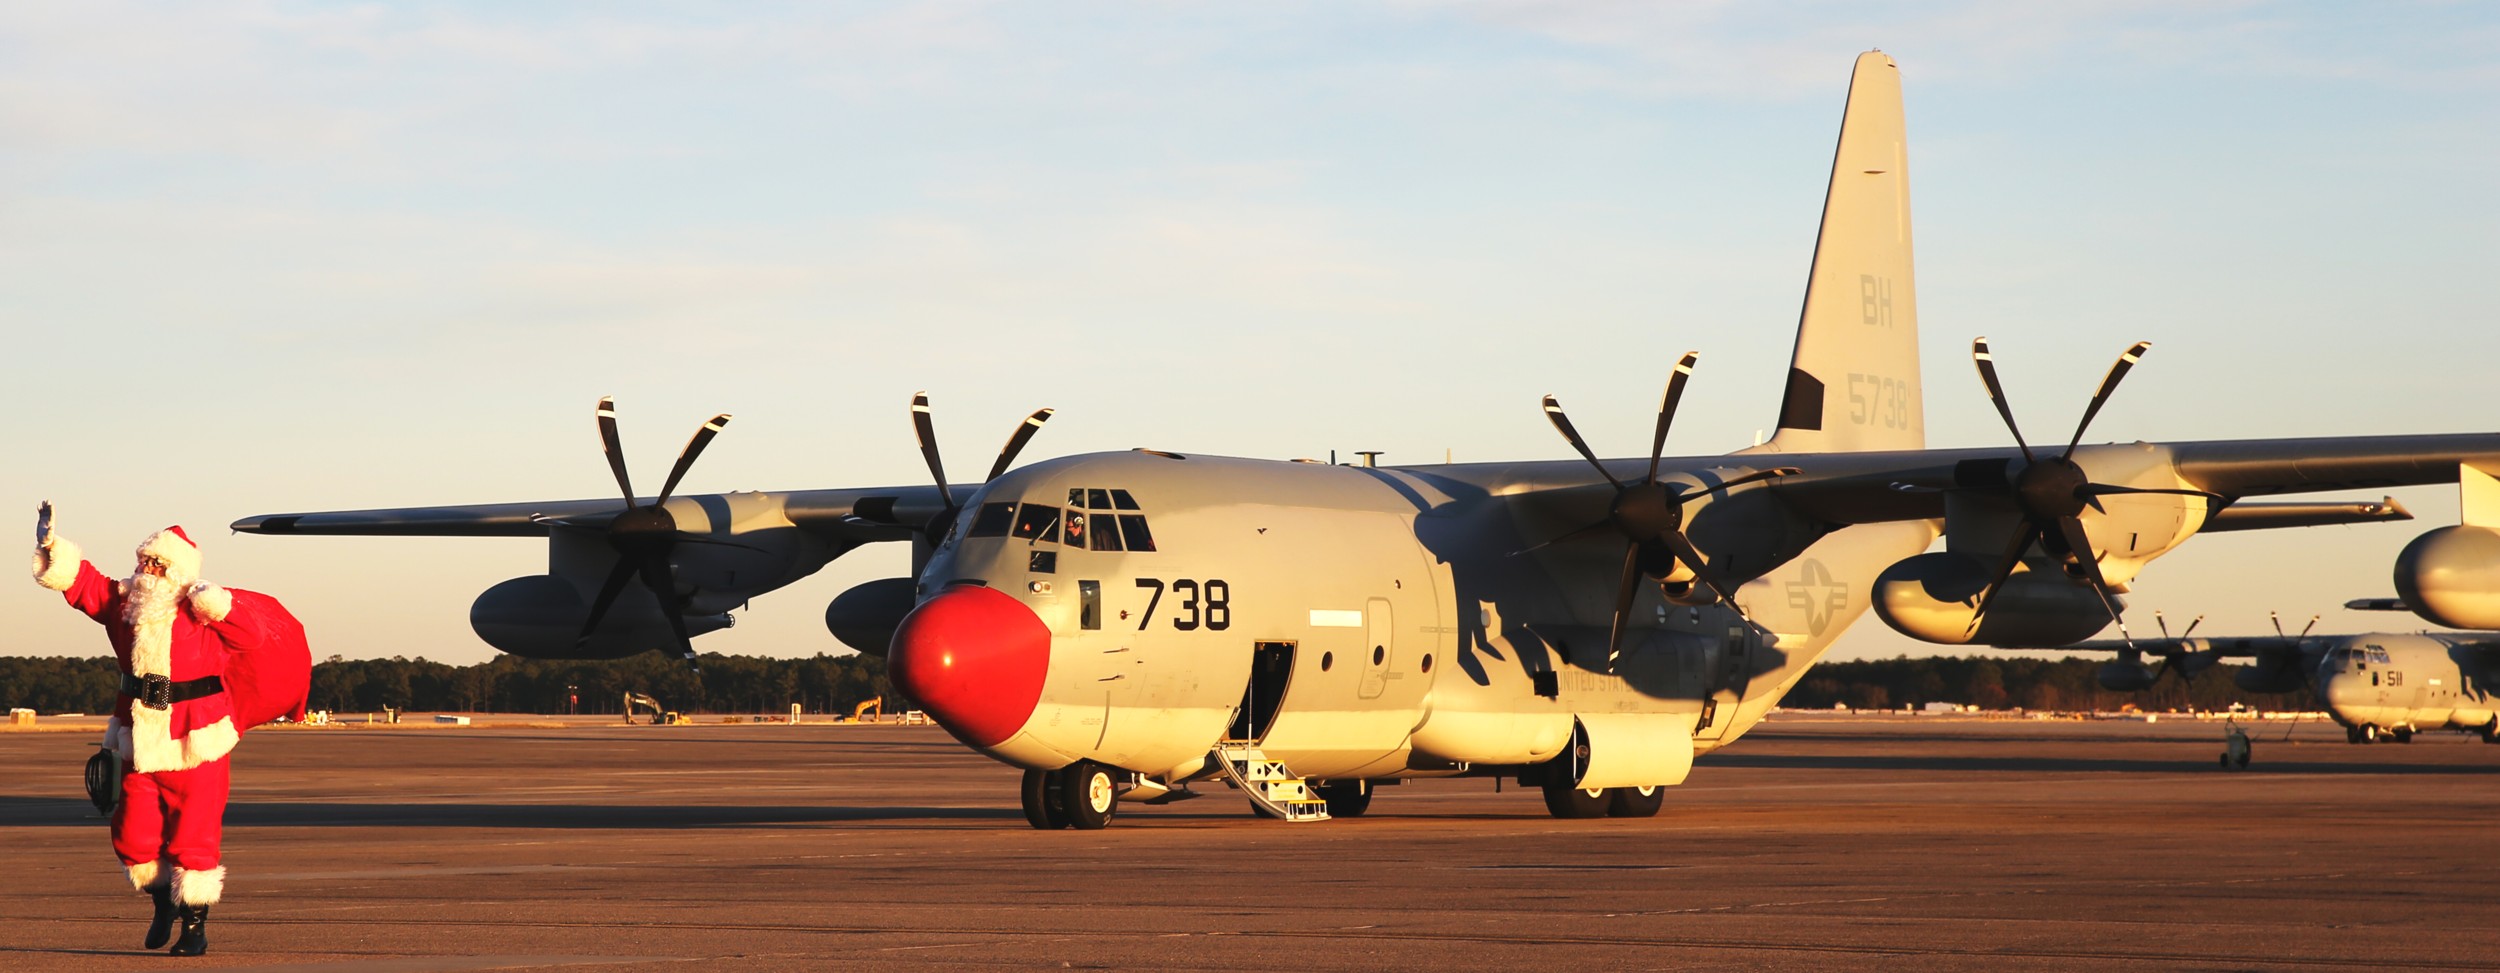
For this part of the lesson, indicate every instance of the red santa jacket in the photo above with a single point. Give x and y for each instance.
(189, 641)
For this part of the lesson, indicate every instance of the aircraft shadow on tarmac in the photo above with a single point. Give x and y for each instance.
(2078, 764)
(48, 812)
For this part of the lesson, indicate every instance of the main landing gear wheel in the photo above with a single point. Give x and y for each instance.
(1041, 800)
(1346, 798)
(1089, 794)
(1566, 801)
(2404, 734)
(2365, 733)
(1636, 802)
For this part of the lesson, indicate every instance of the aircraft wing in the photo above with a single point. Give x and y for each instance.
(858, 515)
(1847, 488)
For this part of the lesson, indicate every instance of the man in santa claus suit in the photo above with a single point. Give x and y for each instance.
(173, 724)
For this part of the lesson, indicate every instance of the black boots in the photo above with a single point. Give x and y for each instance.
(194, 941)
(161, 928)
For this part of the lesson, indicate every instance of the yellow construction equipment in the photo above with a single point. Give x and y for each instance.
(875, 705)
(658, 715)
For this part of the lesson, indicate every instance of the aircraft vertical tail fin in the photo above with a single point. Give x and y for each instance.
(1853, 382)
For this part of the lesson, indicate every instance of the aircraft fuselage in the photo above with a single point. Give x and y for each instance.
(1356, 623)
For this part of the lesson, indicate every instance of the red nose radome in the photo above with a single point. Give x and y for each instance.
(974, 658)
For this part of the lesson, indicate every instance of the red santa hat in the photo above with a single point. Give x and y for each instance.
(176, 549)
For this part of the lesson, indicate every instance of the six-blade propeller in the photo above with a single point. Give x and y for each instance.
(1648, 514)
(925, 429)
(644, 534)
(2052, 492)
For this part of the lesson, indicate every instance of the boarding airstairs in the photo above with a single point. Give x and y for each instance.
(1273, 790)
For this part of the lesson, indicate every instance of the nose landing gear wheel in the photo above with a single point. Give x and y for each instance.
(1041, 800)
(1636, 802)
(1089, 795)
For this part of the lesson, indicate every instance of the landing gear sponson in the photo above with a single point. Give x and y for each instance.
(1085, 796)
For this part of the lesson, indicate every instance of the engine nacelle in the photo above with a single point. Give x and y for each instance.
(1932, 597)
(866, 616)
(2451, 577)
(2272, 672)
(540, 617)
(2125, 676)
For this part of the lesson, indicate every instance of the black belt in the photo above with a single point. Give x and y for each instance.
(158, 692)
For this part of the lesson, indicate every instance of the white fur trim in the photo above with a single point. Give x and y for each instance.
(152, 746)
(150, 751)
(181, 557)
(149, 876)
(210, 602)
(209, 742)
(56, 567)
(199, 888)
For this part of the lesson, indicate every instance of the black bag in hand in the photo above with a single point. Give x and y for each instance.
(104, 780)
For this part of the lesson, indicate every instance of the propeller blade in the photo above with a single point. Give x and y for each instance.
(1015, 442)
(2313, 623)
(1996, 392)
(2163, 624)
(1666, 409)
(615, 448)
(2070, 530)
(1684, 551)
(2192, 623)
(655, 576)
(1601, 526)
(1625, 591)
(2109, 384)
(1769, 474)
(685, 457)
(2277, 619)
(924, 429)
(2023, 537)
(1562, 424)
(617, 576)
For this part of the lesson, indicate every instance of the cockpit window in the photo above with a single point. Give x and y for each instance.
(993, 520)
(1133, 531)
(1106, 532)
(1098, 499)
(1121, 499)
(1037, 523)
(1075, 522)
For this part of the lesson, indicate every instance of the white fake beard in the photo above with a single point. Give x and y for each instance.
(151, 600)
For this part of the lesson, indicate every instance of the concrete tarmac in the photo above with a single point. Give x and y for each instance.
(1817, 843)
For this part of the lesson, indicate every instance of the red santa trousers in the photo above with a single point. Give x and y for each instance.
(172, 814)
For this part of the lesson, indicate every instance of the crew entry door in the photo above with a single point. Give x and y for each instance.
(1271, 670)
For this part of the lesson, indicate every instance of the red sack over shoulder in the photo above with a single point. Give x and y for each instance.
(270, 677)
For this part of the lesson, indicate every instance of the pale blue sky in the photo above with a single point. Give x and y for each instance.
(279, 256)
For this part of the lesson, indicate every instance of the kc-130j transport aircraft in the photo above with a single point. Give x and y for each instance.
(1121, 625)
(2378, 685)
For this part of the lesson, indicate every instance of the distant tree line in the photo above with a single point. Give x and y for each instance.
(505, 684)
(835, 684)
(2069, 684)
